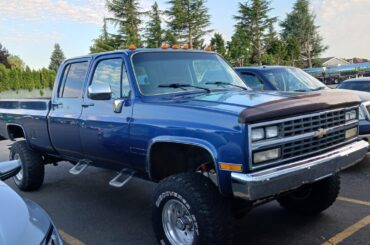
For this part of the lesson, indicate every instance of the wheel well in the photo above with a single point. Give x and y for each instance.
(15, 131)
(167, 159)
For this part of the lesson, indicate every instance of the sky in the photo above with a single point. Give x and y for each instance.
(29, 28)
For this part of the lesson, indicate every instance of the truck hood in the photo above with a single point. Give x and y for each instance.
(22, 221)
(256, 106)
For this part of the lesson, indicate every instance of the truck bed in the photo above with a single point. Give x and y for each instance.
(31, 116)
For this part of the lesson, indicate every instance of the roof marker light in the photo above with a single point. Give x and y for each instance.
(208, 49)
(165, 46)
(132, 47)
(186, 46)
(175, 46)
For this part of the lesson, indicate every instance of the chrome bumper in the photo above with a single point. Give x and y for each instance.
(273, 181)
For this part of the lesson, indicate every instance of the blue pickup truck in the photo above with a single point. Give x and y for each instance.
(185, 119)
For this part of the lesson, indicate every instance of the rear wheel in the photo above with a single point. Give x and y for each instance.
(188, 209)
(313, 198)
(31, 175)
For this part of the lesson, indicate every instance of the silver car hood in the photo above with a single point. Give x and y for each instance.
(22, 221)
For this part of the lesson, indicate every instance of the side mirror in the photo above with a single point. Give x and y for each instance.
(99, 91)
(9, 168)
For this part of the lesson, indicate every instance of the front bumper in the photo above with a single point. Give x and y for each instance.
(273, 181)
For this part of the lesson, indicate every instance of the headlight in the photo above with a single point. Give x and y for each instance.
(267, 155)
(272, 132)
(258, 134)
(351, 115)
(267, 132)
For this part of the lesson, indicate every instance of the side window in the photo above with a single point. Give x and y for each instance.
(252, 81)
(109, 71)
(73, 79)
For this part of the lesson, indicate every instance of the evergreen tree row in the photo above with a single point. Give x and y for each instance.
(16, 79)
(254, 42)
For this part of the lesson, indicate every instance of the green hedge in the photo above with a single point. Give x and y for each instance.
(15, 79)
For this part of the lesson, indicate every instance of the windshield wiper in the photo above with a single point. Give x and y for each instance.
(182, 85)
(225, 83)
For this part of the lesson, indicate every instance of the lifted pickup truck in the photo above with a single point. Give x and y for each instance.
(185, 119)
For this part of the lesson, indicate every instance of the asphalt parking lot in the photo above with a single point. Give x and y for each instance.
(88, 211)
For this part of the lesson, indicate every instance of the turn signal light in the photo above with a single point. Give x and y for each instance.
(231, 167)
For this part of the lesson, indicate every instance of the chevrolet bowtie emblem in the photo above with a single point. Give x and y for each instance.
(320, 133)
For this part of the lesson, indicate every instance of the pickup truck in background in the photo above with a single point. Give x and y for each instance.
(292, 79)
(185, 119)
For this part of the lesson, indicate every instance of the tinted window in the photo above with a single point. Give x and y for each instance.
(252, 81)
(74, 77)
(360, 86)
(109, 71)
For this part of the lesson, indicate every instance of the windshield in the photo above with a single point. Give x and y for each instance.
(173, 72)
(292, 79)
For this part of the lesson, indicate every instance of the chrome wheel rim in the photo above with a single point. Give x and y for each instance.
(178, 223)
(19, 175)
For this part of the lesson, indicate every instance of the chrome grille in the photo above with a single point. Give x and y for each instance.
(301, 147)
(301, 136)
(311, 124)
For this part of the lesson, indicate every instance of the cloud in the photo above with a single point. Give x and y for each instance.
(345, 26)
(82, 11)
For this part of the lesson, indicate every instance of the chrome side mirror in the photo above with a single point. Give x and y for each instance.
(9, 168)
(100, 91)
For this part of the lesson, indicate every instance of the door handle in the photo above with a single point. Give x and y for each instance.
(85, 105)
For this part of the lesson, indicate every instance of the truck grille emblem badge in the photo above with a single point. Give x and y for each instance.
(320, 133)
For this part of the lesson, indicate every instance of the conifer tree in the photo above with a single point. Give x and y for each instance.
(218, 44)
(189, 21)
(57, 58)
(127, 18)
(105, 42)
(254, 19)
(300, 26)
(154, 32)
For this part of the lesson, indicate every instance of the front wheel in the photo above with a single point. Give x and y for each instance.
(188, 209)
(313, 198)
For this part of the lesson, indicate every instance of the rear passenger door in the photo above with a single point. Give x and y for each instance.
(64, 117)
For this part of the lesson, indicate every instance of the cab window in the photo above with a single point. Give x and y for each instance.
(109, 71)
(73, 79)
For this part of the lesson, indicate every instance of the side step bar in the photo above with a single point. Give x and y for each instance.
(79, 167)
(118, 181)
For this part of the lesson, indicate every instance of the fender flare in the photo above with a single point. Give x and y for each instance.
(17, 125)
(182, 140)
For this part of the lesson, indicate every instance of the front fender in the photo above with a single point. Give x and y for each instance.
(183, 140)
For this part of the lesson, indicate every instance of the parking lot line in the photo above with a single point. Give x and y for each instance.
(348, 232)
(346, 199)
(70, 239)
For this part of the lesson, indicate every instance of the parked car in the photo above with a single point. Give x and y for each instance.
(185, 119)
(361, 85)
(22, 221)
(291, 79)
